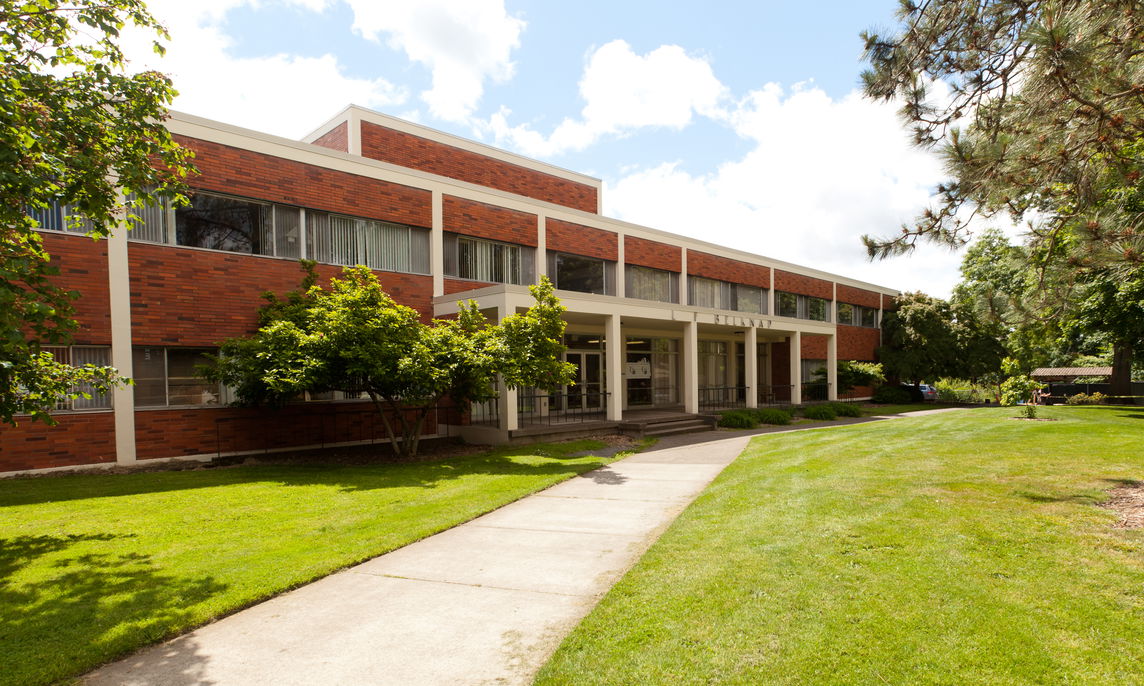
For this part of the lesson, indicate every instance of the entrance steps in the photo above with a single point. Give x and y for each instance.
(667, 426)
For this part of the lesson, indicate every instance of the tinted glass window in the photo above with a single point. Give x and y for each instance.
(219, 223)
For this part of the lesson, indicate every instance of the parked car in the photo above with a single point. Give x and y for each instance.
(929, 393)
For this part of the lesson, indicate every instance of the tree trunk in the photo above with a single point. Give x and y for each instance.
(1121, 380)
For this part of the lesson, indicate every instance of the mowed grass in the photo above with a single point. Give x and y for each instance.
(94, 566)
(958, 548)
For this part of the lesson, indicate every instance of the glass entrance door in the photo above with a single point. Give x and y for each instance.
(588, 391)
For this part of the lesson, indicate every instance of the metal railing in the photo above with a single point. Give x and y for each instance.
(815, 392)
(722, 397)
(548, 409)
(775, 395)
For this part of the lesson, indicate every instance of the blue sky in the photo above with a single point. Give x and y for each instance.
(736, 122)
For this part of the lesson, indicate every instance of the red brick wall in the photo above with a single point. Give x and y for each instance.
(264, 177)
(813, 347)
(857, 342)
(858, 296)
(182, 296)
(187, 431)
(489, 221)
(652, 254)
(414, 152)
(83, 267)
(460, 285)
(563, 236)
(887, 302)
(803, 285)
(78, 439)
(724, 269)
(336, 138)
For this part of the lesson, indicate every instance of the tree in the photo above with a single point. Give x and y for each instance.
(926, 338)
(852, 374)
(75, 128)
(354, 338)
(1038, 107)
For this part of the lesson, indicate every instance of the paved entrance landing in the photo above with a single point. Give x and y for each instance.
(484, 603)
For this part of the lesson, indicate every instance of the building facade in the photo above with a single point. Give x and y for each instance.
(655, 320)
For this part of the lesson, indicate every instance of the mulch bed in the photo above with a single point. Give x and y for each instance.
(1128, 502)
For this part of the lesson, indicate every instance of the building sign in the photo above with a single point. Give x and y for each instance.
(638, 370)
(750, 322)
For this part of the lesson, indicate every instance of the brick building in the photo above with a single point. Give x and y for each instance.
(655, 320)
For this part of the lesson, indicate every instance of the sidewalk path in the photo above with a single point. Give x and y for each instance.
(483, 603)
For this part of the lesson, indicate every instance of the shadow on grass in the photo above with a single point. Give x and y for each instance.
(84, 608)
(358, 477)
(1071, 498)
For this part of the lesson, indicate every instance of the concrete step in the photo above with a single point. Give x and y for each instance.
(667, 426)
(688, 428)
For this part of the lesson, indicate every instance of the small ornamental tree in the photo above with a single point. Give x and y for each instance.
(354, 338)
(852, 374)
(1018, 387)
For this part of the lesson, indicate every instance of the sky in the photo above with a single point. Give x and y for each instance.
(740, 123)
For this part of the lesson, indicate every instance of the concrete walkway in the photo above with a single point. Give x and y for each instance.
(484, 603)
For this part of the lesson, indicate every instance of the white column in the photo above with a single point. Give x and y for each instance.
(353, 133)
(832, 367)
(690, 354)
(751, 365)
(507, 397)
(683, 277)
(437, 245)
(614, 367)
(541, 247)
(119, 292)
(771, 296)
(796, 368)
(620, 279)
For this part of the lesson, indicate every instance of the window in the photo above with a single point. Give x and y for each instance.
(646, 283)
(802, 306)
(712, 364)
(168, 377)
(222, 223)
(810, 368)
(78, 356)
(857, 315)
(57, 217)
(723, 295)
(336, 239)
(483, 260)
(582, 274)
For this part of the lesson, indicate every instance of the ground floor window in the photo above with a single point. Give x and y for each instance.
(78, 356)
(713, 364)
(169, 377)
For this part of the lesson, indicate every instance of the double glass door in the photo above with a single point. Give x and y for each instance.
(588, 391)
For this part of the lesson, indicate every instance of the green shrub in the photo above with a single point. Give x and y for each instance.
(846, 409)
(820, 412)
(891, 395)
(772, 416)
(737, 419)
(1097, 398)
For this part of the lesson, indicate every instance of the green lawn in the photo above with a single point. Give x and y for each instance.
(92, 567)
(959, 548)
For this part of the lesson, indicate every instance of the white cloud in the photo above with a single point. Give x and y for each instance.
(622, 92)
(822, 173)
(462, 42)
(283, 94)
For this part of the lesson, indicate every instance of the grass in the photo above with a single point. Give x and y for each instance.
(94, 566)
(964, 547)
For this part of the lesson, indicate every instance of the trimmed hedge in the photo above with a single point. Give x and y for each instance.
(825, 412)
(772, 416)
(738, 419)
(846, 409)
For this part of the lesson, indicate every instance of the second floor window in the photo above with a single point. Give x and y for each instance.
(646, 283)
(492, 261)
(723, 295)
(582, 274)
(802, 306)
(857, 315)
